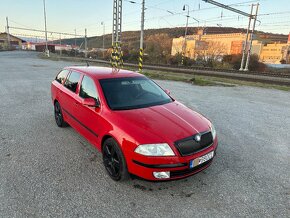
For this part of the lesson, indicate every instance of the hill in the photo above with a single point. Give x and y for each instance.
(131, 39)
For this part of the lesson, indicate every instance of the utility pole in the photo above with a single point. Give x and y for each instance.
(104, 32)
(46, 45)
(250, 16)
(86, 44)
(60, 51)
(75, 42)
(251, 39)
(8, 34)
(117, 54)
(246, 40)
(185, 34)
(141, 52)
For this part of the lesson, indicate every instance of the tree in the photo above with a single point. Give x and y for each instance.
(158, 47)
(235, 61)
(209, 52)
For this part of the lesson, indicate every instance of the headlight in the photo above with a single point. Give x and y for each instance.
(213, 131)
(155, 150)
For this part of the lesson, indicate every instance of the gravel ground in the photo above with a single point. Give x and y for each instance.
(46, 171)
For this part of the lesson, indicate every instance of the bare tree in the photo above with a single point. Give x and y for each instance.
(210, 52)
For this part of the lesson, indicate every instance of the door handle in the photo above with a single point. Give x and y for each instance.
(76, 103)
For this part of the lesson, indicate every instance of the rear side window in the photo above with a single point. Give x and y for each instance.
(61, 76)
(88, 89)
(72, 81)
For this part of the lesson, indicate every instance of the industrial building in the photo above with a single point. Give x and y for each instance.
(230, 44)
(15, 42)
(272, 53)
(40, 46)
(221, 44)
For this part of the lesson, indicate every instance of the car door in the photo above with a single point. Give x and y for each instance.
(88, 116)
(68, 97)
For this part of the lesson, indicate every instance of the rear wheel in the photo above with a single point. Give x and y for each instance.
(114, 160)
(58, 116)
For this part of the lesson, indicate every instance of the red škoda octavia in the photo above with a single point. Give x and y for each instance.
(139, 128)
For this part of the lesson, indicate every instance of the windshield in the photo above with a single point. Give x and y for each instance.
(132, 93)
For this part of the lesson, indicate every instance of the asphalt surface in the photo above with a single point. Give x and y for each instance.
(46, 171)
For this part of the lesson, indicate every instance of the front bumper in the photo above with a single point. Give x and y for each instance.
(178, 166)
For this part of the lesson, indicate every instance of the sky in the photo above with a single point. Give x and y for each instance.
(70, 15)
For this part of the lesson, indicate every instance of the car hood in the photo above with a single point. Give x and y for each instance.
(162, 123)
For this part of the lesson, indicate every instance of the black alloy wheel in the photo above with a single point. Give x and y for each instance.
(58, 115)
(114, 160)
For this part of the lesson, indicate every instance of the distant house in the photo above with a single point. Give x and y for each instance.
(29, 46)
(40, 47)
(15, 42)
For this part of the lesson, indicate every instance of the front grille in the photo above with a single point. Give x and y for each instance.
(178, 173)
(189, 146)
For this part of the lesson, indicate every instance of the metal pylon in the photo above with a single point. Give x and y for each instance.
(117, 55)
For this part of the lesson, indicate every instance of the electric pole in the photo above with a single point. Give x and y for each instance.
(117, 54)
(104, 31)
(75, 42)
(46, 46)
(185, 34)
(60, 51)
(251, 39)
(8, 34)
(246, 41)
(141, 52)
(250, 16)
(86, 44)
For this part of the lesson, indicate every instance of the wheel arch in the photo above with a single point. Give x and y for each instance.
(107, 136)
(104, 138)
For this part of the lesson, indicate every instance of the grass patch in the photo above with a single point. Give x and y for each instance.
(182, 77)
(247, 83)
(208, 80)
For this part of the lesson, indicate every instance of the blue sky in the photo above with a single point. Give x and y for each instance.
(67, 15)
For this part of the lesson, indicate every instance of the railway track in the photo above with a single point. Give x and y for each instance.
(277, 78)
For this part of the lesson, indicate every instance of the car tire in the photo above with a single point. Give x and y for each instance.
(114, 160)
(58, 116)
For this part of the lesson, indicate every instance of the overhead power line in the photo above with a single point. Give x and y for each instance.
(52, 32)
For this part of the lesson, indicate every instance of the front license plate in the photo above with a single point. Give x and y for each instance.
(201, 160)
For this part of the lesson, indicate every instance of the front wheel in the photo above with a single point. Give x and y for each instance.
(58, 116)
(114, 160)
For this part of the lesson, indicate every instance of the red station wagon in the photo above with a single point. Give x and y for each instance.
(139, 128)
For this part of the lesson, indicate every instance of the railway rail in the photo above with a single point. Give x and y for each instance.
(277, 78)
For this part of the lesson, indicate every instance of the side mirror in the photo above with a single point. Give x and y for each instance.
(91, 102)
(167, 91)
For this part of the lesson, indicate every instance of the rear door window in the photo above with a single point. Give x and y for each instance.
(88, 88)
(61, 76)
(72, 81)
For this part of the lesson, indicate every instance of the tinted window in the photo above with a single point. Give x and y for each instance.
(61, 76)
(88, 88)
(72, 81)
(134, 92)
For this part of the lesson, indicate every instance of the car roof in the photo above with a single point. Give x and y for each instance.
(103, 72)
